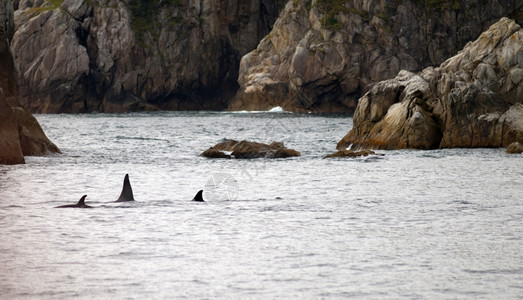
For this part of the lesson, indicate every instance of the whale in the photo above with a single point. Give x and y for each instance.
(80, 204)
(198, 197)
(127, 191)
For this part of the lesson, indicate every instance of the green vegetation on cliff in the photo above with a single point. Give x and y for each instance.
(438, 4)
(50, 4)
(331, 8)
(145, 17)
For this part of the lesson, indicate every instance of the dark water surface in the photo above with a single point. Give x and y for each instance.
(410, 224)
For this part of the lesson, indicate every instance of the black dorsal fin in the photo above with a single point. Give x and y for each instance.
(81, 202)
(127, 191)
(199, 196)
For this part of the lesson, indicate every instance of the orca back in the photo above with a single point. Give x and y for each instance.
(80, 204)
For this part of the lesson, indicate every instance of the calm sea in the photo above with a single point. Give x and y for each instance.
(409, 224)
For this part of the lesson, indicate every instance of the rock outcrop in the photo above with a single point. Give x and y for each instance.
(474, 99)
(20, 133)
(515, 148)
(133, 55)
(323, 55)
(249, 150)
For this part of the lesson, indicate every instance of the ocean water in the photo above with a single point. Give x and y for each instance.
(408, 224)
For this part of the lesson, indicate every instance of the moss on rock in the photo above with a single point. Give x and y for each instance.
(145, 17)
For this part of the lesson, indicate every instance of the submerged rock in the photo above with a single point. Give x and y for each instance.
(352, 153)
(474, 99)
(515, 148)
(321, 56)
(249, 150)
(214, 153)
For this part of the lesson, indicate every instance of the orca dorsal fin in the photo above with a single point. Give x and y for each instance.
(199, 197)
(81, 202)
(127, 191)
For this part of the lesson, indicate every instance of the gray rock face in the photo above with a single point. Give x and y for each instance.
(20, 133)
(114, 56)
(474, 99)
(56, 62)
(322, 56)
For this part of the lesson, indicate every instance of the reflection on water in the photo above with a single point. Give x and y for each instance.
(411, 224)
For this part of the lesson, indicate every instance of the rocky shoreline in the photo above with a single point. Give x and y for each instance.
(386, 61)
(474, 99)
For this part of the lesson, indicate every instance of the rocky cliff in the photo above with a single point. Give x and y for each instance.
(20, 133)
(114, 56)
(474, 99)
(322, 55)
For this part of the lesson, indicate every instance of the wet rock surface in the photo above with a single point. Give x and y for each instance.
(352, 153)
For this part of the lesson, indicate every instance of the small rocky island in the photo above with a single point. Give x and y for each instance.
(249, 150)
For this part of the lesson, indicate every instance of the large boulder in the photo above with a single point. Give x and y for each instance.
(474, 99)
(249, 150)
(322, 56)
(20, 133)
(114, 56)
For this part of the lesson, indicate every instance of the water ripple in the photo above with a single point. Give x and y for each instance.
(411, 224)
